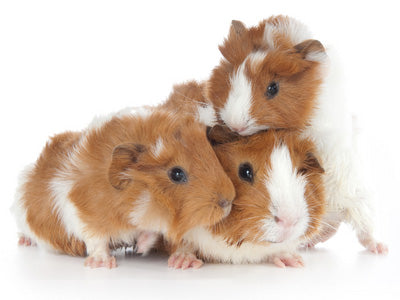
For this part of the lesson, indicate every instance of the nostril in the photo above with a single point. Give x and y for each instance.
(223, 203)
(277, 220)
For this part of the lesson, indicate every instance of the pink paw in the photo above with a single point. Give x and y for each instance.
(184, 260)
(287, 260)
(25, 241)
(378, 248)
(98, 262)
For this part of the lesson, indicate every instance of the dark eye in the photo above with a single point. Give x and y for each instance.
(272, 90)
(177, 175)
(246, 172)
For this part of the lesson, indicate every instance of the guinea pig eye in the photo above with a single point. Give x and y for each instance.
(272, 90)
(177, 175)
(246, 172)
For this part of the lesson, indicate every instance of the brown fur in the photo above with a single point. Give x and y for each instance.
(112, 167)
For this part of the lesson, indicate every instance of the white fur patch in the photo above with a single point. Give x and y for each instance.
(236, 112)
(157, 148)
(60, 187)
(296, 31)
(286, 189)
(214, 247)
(206, 115)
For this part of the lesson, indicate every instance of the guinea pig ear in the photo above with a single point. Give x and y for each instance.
(124, 157)
(238, 27)
(311, 163)
(236, 46)
(219, 134)
(311, 50)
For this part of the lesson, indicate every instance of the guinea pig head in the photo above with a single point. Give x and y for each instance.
(173, 179)
(279, 190)
(269, 78)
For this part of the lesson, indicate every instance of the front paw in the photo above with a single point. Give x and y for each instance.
(283, 260)
(184, 260)
(377, 248)
(100, 261)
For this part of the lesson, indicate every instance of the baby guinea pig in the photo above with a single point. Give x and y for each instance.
(130, 176)
(278, 206)
(269, 78)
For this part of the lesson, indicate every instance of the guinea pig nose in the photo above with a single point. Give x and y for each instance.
(224, 203)
(238, 129)
(285, 221)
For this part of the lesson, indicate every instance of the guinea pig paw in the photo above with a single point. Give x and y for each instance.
(25, 241)
(184, 260)
(378, 248)
(287, 260)
(98, 262)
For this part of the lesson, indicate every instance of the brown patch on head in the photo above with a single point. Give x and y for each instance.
(252, 203)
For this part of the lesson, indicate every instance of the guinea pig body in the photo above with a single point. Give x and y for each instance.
(131, 176)
(279, 204)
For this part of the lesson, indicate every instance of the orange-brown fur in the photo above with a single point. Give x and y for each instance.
(104, 209)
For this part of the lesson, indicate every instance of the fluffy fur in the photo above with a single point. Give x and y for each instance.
(106, 186)
(287, 193)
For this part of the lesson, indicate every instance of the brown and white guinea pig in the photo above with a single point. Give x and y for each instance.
(269, 78)
(278, 206)
(129, 176)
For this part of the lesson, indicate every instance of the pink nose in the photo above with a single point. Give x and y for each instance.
(285, 222)
(239, 129)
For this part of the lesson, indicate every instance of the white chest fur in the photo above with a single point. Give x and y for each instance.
(215, 248)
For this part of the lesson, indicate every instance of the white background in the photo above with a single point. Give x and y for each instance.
(62, 62)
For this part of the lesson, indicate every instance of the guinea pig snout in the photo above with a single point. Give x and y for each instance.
(286, 221)
(225, 204)
(239, 129)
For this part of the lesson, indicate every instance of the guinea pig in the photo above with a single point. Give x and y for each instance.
(278, 206)
(269, 78)
(132, 175)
